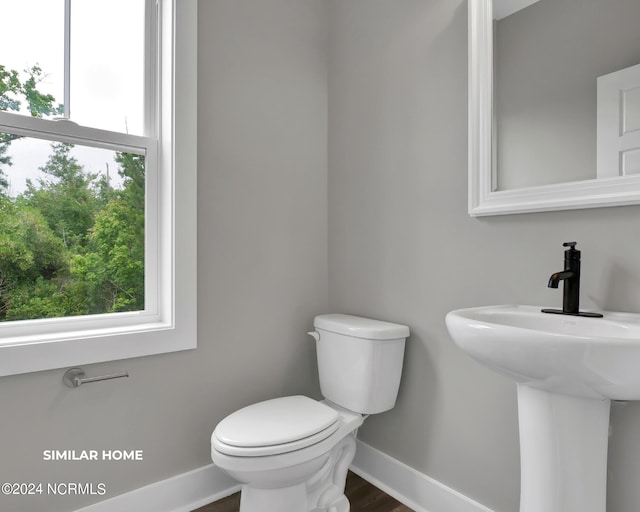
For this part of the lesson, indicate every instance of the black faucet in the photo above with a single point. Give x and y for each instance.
(571, 277)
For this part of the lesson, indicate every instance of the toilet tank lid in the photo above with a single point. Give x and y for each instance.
(360, 327)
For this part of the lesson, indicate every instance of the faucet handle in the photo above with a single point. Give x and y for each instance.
(571, 253)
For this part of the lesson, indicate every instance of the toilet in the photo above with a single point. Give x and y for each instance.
(292, 454)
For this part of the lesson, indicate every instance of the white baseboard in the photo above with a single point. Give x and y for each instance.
(416, 490)
(188, 491)
(181, 493)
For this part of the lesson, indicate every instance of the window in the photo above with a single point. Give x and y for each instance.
(106, 101)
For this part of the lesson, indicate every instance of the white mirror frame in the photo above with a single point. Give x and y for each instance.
(617, 191)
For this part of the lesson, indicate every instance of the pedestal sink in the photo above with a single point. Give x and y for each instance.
(567, 370)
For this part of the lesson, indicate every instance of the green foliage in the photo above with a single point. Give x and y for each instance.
(114, 266)
(70, 244)
(28, 248)
(12, 88)
(65, 199)
(28, 251)
(38, 104)
(47, 299)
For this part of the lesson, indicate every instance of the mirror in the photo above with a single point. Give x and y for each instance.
(564, 130)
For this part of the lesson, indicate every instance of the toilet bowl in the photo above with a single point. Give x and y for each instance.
(255, 459)
(292, 454)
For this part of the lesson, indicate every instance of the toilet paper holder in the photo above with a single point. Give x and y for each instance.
(75, 377)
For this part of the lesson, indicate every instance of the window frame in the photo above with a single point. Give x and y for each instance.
(168, 323)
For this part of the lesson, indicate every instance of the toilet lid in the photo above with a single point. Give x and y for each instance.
(276, 426)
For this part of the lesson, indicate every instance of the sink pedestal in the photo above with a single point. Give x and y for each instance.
(567, 368)
(563, 451)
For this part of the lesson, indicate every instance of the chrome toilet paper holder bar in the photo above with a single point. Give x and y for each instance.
(75, 377)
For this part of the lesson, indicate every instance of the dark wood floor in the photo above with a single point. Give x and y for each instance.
(363, 497)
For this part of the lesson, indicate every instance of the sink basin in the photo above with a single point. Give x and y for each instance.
(567, 370)
(589, 357)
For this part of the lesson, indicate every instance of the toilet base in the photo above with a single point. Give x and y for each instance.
(323, 491)
(289, 499)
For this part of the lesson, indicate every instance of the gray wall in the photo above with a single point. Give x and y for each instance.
(262, 254)
(402, 247)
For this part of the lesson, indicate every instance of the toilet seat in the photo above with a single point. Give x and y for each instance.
(275, 426)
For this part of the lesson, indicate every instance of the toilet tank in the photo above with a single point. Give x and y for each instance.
(359, 361)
